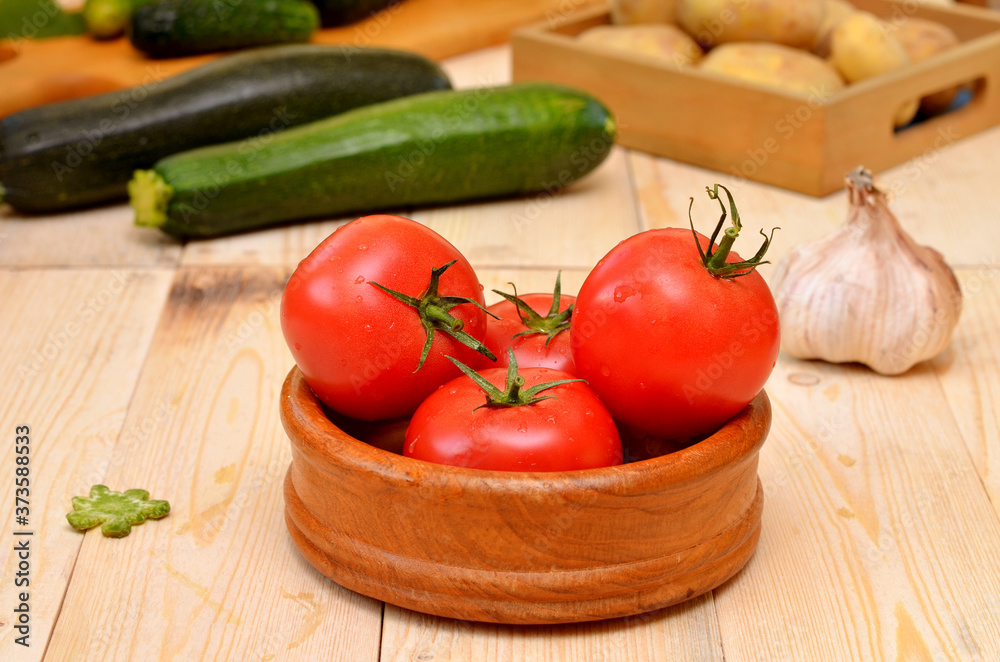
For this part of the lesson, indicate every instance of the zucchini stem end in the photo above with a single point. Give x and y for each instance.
(149, 194)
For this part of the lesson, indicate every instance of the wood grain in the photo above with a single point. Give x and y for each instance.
(684, 633)
(74, 342)
(104, 236)
(878, 530)
(64, 67)
(218, 578)
(939, 199)
(879, 539)
(970, 374)
(575, 227)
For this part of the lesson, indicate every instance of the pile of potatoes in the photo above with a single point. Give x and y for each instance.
(804, 46)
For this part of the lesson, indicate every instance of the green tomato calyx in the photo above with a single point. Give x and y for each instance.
(435, 315)
(715, 262)
(554, 323)
(512, 395)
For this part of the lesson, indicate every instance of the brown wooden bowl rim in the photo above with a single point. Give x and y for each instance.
(313, 433)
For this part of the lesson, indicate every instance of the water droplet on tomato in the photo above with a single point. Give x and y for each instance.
(358, 298)
(368, 327)
(606, 371)
(623, 292)
(523, 427)
(359, 280)
(298, 346)
(551, 419)
(363, 247)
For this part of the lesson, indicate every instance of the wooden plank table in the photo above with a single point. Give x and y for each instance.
(138, 361)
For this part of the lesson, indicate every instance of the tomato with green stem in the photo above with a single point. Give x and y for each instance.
(535, 326)
(373, 313)
(677, 339)
(535, 419)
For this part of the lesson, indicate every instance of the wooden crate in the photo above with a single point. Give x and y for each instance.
(747, 130)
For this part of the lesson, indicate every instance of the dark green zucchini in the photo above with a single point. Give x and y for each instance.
(177, 28)
(342, 12)
(432, 148)
(83, 152)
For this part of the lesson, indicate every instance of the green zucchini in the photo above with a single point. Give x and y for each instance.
(107, 19)
(342, 12)
(83, 152)
(432, 148)
(177, 28)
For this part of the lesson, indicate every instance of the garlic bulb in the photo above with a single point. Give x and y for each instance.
(867, 293)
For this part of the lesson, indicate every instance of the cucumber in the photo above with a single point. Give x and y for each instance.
(431, 148)
(84, 152)
(342, 12)
(177, 28)
(107, 19)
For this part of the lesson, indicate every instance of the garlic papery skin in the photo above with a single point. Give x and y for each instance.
(867, 293)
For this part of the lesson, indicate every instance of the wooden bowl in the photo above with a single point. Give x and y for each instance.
(510, 547)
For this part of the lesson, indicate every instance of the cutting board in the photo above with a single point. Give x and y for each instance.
(37, 72)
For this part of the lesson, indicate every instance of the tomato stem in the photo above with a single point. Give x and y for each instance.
(435, 315)
(554, 323)
(512, 395)
(716, 261)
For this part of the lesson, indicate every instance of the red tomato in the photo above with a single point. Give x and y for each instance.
(357, 346)
(672, 350)
(531, 350)
(568, 430)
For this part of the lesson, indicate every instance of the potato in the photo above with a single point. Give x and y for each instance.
(665, 42)
(632, 12)
(862, 47)
(776, 66)
(789, 22)
(834, 11)
(921, 39)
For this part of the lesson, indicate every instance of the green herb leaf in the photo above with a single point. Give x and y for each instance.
(114, 512)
